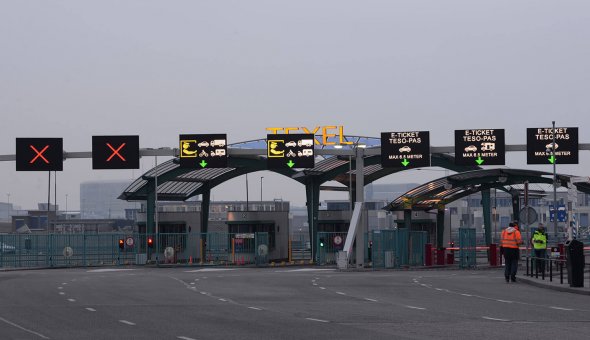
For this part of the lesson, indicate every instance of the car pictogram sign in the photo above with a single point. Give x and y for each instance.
(290, 151)
(39, 154)
(115, 152)
(199, 151)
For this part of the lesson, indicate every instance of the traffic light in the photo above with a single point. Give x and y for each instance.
(321, 242)
(150, 242)
(121, 243)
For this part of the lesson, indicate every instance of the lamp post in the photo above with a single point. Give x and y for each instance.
(554, 183)
(66, 206)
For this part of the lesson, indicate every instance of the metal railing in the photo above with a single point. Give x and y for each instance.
(548, 265)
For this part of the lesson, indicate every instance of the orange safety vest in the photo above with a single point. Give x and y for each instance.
(511, 239)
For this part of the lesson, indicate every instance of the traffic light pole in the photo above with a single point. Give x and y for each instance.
(554, 184)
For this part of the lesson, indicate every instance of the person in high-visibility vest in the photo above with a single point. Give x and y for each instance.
(510, 241)
(539, 241)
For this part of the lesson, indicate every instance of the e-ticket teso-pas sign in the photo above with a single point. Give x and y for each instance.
(410, 149)
(480, 147)
(541, 150)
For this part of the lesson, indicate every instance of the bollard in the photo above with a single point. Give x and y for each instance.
(428, 254)
(493, 255)
(451, 258)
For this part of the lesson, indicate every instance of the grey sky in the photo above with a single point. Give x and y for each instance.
(74, 69)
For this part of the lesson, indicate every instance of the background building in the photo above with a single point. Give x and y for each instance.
(98, 199)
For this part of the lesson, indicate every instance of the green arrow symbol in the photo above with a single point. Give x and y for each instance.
(479, 160)
(405, 162)
(552, 159)
(203, 163)
(290, 163)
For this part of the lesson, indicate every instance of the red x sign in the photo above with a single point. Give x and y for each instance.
(39, 154)
(116, 152)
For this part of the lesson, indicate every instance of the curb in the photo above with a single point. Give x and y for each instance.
(562, 288)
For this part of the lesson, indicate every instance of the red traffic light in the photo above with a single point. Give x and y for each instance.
(150, 242)
(121, 243)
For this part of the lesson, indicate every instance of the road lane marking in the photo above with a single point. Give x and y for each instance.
(204, 270)
(184, 338)
(315, 284)
(72, 300)
(90, 309)
(494, 319)
(62, 293)
(60, 287)
(106, 270)
(64, 283)
(322, 288)
(127, 322)
(414, 307)
(341, 293)
(192, 283)
(204, 293)
(505, 301)
(307, 270)
(372, 300)
(255, 308)
(224, 300)
(317, 320)
(466, 294)
(22, 328)
(561, 308)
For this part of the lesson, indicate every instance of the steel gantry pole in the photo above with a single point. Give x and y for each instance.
(554, 183)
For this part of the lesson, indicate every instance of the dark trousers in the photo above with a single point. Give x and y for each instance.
(540, 262)
(511, 256)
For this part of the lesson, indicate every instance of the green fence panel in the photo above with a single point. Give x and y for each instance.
(328, 245)
(417, 241)
(262, 249)
(467, 247)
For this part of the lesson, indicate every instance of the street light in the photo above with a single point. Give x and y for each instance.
(66, 206)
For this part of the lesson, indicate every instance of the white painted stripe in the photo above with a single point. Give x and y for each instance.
(184, 338)
(504, 301)
(64, 283)
(106, 270)
(127, 322)
(315, 284)
(439, 289)
(62, 293)
(204, 293)
(72, 300)
(414, 307)
(22, 328)
(466, 294)
(60, 287)
(255, 308)
(310, 270)
(561, 308)
(90, 309)
(322, 287)
(372, 300)
(317, 320)
(341, 293)
(224, 300)
(192, 283)
(204, 270)
(494, 319)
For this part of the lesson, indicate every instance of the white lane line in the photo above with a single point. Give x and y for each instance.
(224, 300)
(127, 322)
(414, 307)
(505, 301)
(322, 288)
(315, 284)
(466, 294)
(317, 320)
(341, 293)
(209, 270)
(72, 300)
(64, 283)
(184, 337)
(62, 293)
(372, 300)
(204, 293)
(192, 283)
(107, 270)
(255, 308)
(561, 308)
(60, 287)
(22, 328)
(90, 309)
(494, 319)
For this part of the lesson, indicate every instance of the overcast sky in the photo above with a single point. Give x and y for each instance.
(75, 69)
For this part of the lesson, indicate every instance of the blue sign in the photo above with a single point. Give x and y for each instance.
(561, 213)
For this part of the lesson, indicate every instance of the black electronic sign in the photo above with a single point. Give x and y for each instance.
(39, 154)
(409, 149)
(115, 152)
(480, 147)
(290, 151)
(203, 151)
(540, 148)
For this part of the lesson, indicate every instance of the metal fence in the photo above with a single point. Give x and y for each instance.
(467, 248)
(69, 250)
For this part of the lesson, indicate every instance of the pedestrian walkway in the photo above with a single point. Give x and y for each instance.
(556, 283)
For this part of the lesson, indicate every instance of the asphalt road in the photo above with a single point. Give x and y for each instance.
(285, 303)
